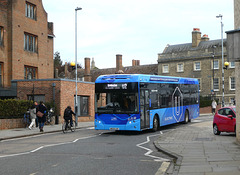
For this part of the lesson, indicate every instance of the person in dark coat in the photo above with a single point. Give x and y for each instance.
(41, 120)
(68, 116)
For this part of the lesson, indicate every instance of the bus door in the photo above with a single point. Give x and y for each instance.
(144, 106)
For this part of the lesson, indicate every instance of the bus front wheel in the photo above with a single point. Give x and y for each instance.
(155, 124)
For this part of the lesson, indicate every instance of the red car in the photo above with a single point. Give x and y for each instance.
(224, 120)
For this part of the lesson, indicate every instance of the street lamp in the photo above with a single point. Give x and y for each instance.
(213, 55)
(220, 16)
(76, 101)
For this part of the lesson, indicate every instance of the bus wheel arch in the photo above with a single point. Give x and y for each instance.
(156, 125)
(186, 117)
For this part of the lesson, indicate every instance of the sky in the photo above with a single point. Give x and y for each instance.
(136, 29)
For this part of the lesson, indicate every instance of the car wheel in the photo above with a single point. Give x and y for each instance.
(155, 124)
(215, 130)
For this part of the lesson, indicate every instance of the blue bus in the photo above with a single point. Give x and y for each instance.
(136, 102)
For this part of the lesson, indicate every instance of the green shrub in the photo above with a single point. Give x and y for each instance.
(12, 108)
(206, 101)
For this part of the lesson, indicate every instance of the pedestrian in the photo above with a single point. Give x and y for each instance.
(214, 105)
(41, 115)
(33, 117)
(36, 106)
(68, 116)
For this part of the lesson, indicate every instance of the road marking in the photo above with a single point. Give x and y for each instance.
(163, 168)
(149, 151)
(45, 146)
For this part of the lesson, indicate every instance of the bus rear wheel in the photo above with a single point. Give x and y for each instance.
(155, 124)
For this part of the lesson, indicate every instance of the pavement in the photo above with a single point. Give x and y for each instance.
(23, 132)
(194, 149)
(197, 151)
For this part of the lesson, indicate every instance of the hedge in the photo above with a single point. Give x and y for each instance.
(12, 108)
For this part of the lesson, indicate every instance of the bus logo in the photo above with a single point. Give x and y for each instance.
(177, 99)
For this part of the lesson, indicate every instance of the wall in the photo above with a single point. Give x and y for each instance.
(12, 54)
(64, 93)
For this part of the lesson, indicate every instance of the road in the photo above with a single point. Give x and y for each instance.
(86, 151)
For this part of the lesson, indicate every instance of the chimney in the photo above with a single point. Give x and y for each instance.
(196, 37)
(87, 75)
(119, 63)
(135, 62)
(205, 38)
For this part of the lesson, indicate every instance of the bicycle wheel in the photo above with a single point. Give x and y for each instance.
(52, 120)
(73, 128)
(63, 127)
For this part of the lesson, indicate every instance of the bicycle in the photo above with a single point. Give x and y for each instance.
(73, 128)
(26, 119)
(50, 118)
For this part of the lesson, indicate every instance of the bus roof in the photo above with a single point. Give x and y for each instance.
(119, 78)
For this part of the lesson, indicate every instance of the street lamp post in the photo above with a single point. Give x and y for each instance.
(76, 100)
(213, 55)
(220, 16)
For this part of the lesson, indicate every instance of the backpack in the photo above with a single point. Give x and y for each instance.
(67, 113)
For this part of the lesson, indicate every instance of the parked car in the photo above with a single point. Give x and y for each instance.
(224, 120)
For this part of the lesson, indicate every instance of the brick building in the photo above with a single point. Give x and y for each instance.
(61, 92)
(201, 59)
(26, 43)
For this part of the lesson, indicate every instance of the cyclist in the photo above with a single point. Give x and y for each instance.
(68, 116)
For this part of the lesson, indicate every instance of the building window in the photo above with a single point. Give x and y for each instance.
(216, 84)
(30, 11)
(1, 73)
(30, 42)
(165, 68)
(1, 36)
(30, 72)
(232, 64)
(232, 83)
(197, 66)
(180, 67)
(199, 81)
(215, 64)
(232, 101)
(83, 106)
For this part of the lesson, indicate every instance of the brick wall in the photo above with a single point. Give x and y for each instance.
(12, 54)
(11, 123)
(64, 93)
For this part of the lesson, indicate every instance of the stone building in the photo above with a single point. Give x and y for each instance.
(201, 59)
(26, 43)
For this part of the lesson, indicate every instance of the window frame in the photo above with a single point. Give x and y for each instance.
(30, 42)
(1, 35)
(213, 65)
(178, 67)
(31, 10)
(26, 72)
(82, 105)
(1, 74)
(230, 84)
(232, 64)
(195, 67)
(163, 68)
(217, 84)
(200, 83)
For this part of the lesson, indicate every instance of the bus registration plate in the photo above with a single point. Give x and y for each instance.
(114, 129)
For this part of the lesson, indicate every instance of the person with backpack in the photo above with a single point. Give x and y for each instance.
(68, 116)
